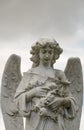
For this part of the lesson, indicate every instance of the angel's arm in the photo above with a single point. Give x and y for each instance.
(68, 104)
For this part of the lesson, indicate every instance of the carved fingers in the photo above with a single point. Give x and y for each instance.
(40, 92)
(55, 104)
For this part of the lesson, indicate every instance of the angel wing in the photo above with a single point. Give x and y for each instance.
(10, 80)
(73, 72)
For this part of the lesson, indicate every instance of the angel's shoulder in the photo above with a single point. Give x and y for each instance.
(59, 73)
(61, 76)
(29, 74)
(31, 70)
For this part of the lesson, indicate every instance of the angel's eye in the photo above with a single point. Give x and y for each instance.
(43, 51)
(50, 52)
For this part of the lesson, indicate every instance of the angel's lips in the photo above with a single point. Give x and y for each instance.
(46, 59)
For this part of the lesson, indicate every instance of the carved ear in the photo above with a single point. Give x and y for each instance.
(55, 58)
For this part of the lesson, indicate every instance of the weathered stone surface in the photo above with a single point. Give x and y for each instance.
(48, 98)
(73, 72)
(10, 81)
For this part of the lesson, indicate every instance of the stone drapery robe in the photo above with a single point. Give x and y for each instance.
(33, 120)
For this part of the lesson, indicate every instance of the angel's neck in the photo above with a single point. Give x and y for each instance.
(45, 66)
(47, 71)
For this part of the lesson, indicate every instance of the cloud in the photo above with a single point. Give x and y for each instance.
(24, 17)
(24, 21)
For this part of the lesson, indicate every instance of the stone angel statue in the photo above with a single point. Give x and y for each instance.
(48, 98)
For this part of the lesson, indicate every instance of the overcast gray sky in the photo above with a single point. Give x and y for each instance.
(22, 22)
(20, 18)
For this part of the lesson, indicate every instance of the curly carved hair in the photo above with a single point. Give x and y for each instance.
(42, 43)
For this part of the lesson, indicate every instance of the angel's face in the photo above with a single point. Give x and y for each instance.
(46, 55)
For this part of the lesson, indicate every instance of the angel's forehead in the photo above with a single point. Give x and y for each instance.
(46, 49)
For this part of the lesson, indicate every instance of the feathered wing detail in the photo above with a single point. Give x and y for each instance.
(73, 72)
(10, 81)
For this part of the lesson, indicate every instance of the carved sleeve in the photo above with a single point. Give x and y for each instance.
(70, 112)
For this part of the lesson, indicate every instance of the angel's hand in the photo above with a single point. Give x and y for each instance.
(59, 102)
(40, 91)
(36, 92)
(56, 103)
